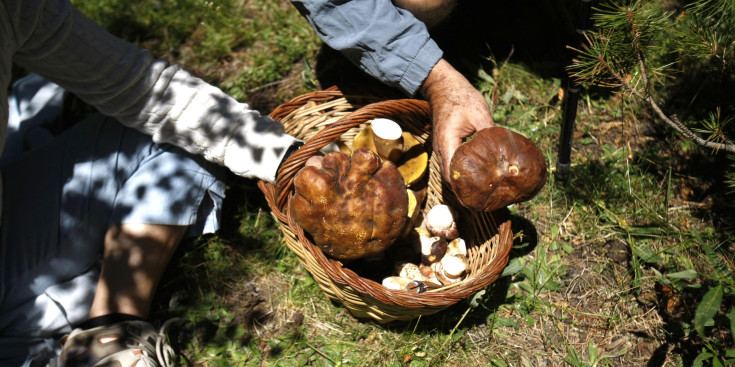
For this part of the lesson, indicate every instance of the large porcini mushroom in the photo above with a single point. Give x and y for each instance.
(496, 168)
(405, 152)
(353, 206)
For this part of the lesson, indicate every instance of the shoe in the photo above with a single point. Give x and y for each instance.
(123, 344)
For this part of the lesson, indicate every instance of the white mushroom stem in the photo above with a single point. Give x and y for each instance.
(451, 269)
(395, 283)
(440, 222)
(388, 139)
(454, 266)
(442, 276)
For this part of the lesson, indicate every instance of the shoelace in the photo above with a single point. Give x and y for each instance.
(158, 347)
(164, 352)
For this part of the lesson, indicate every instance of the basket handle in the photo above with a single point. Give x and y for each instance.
(316, 96)
(394, 108)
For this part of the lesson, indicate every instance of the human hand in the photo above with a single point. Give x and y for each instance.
(458, 110)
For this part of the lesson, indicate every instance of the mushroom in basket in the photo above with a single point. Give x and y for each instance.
(353, 206)
(386, 138)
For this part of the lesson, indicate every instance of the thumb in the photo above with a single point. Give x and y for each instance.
(446, 152)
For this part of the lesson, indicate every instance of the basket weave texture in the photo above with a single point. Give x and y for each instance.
(325, 116)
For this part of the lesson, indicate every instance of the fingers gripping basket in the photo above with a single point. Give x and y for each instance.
(326, 116)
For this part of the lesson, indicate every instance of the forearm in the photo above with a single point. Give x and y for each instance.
(439, 81)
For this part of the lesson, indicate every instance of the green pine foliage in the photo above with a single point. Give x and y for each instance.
(678, 60)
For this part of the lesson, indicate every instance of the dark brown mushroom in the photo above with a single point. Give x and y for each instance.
(432, 248)
(353, 206)
(496, 168)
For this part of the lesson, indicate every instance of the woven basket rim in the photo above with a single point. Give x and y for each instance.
(277, 195)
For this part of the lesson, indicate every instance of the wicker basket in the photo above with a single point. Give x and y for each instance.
(322, 117)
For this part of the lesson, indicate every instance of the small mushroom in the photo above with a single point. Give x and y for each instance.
(455, 266)
(395, 283)
(456, 247)
(440, 222)
(451, 269)
(388, 139)
(409, 271)
(428, 272)
(433, 248)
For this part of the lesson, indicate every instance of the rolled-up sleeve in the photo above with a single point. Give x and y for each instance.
(385, 41)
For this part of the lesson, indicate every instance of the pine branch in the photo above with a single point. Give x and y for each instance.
(672, 120)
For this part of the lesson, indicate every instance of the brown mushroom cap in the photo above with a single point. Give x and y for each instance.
(353, 206)
(498, 167)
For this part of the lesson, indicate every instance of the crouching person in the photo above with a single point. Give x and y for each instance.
(93, 210)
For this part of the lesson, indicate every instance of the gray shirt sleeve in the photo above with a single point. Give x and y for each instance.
(385, 41)
(55, 40)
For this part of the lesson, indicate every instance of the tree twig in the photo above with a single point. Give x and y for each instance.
(672, 120)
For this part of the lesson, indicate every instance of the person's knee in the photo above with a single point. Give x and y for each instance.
(431, 12)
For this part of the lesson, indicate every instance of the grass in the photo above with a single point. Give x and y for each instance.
(630, 262)
(239, 45)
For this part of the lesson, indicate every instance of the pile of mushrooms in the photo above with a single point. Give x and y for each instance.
(443, 255)
(356, 203)
(386, 138)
